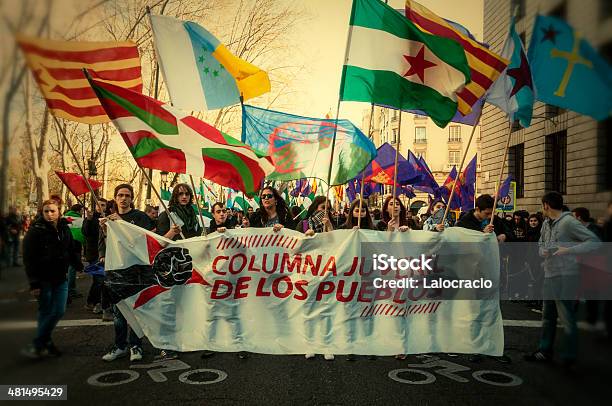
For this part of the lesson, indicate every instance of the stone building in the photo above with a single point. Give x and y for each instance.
(561, 151)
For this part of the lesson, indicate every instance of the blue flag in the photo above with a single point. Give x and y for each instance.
(513, 91)
(567, 72)
(468, 185)
(426, 183)
(351, 193)
(504, 189)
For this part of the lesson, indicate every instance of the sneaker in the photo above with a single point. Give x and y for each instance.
(115, 353)
(53, 351)
(165, 355)
(538, 356)
(97, 309)
(107, 315)
(135, 353)
(328, 357)
(32, 352)
(309, 356)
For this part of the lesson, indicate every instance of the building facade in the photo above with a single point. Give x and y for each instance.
(561, 151)
(442, 148)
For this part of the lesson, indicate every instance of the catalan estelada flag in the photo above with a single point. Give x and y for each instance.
(485, 66)
(58, 69)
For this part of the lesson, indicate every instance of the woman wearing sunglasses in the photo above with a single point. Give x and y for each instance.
(273, 212)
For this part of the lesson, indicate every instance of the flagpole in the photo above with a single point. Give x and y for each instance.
(363, 172)
(198, 204)
(467, 148)
(501, 171)
(399, 137)
(333, 145)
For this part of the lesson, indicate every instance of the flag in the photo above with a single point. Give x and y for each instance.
(76, 183)
(75, 224)
(57, 67)
(426, 182)
(302, 188)
(468, 185)
(306, 202)
(351, 192)
(504, 189)
(484, 66)
(162, 137)
(199, 71)
(445, 190)
(241, 203)
(391, 62)
(513, 90)
(567, 71)
(300, 147)
(369, 188)
(382, 168)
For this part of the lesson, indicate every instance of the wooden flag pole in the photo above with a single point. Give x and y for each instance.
(399, 134)
(501, 171)
(467, 148)
(363, 172)
(195, 195)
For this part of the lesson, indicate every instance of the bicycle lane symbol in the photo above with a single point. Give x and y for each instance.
(449, 370)
(157, 373)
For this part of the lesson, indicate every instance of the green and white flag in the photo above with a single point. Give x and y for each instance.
(307, 201)
(75, 223)
(391, 62)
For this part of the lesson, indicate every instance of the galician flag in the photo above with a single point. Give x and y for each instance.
(392, 62)
(513, 91)
(199, 71)
(162, 137)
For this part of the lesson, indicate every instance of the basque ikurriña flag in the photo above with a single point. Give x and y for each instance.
(162, 137)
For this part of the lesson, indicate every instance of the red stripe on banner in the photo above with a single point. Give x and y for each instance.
(148, 294)
(258, 240)
(86, 57)
(438, 29)
(197, 278)
(116, 75)
(395, 308)
(266, 240)
(169, 160)
(294, 242)
(153, 247)
(235, 243)
(251, 240)
(273, 243)
(221, 240)
(434, 308)
(388, 310)
(279, 242)
(226, 243)
(91, 111)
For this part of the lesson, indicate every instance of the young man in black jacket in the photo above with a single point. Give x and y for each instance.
(479, 219)
(124, 195)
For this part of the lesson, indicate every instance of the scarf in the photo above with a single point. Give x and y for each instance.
(188, 216)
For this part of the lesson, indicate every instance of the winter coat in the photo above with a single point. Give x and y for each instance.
(91, 231)
(48, 251)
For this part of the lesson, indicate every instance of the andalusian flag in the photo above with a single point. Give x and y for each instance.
(162, 137)
(199, 71)
(58, 69)
(307, 202)
(392, 62)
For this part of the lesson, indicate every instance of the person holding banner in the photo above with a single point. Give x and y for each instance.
(436, 212)
(317, 219)
(220, 221)
(184, 217)
(353, 217)
(48, 251)
(393, 216)
(273, 212)
(479, 219)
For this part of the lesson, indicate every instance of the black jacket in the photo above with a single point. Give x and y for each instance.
(47, 253)
(163, 226)
(257, 221)
(468, 220)
(229, 223)
(91, 231)
(133, 216)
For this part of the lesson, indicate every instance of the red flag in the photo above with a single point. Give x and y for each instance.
(76, 183)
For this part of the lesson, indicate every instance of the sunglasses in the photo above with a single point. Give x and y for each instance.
(267, 196)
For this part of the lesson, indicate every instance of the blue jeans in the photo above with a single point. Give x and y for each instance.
(51, 308)
(122, 338)
(564, 308)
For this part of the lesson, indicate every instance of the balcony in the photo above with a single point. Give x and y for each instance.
(420, 141)
(455, 139)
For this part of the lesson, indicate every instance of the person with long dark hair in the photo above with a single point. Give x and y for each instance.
(353, 217)
(273, 212)
(393, 216)
(48, 251)
(317, 219)
(436, 212)
(181, 208)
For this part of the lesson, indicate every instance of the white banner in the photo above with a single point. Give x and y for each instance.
(284, 293)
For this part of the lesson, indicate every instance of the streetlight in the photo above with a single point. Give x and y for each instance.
(164, 178)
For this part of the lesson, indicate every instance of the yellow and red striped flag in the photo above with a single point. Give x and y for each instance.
(485, 66)
(57, 67)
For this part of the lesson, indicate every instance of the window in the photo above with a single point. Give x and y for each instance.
(516, 125)
(394, 115)
(394, 137)
(420, 135)
(556, 162)
(517, 8)
(454, 133)
(516, 166)
(454, 157)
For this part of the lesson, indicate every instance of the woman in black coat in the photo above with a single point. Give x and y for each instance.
(48, 250)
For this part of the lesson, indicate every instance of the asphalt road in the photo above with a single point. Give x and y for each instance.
(225, 379)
